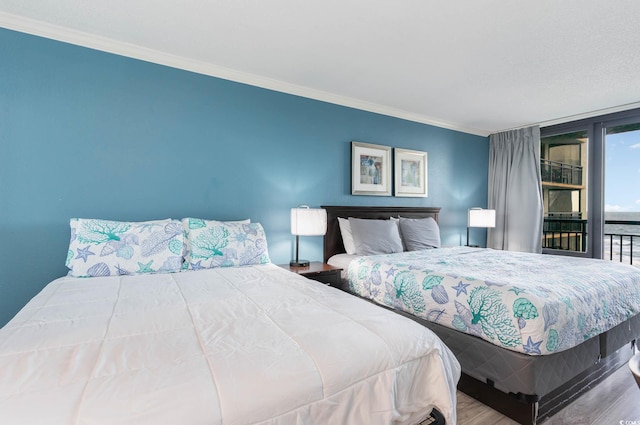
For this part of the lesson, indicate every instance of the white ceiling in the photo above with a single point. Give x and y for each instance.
(478, 66)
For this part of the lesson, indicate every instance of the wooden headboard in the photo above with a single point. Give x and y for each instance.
(333, 239)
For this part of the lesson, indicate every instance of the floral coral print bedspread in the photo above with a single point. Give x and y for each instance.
(531, 303)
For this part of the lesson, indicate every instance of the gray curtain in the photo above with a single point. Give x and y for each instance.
(515, 190)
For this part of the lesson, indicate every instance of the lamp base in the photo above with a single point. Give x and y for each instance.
(299, 263)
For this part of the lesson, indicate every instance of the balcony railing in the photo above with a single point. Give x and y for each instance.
(560, 172)
(619, 245)
(570, 234)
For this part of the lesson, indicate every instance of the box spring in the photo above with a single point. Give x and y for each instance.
(531, 388)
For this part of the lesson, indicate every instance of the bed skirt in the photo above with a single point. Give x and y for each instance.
(531, 388)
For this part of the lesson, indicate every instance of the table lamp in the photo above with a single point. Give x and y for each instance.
(306, 221)
(479, 217)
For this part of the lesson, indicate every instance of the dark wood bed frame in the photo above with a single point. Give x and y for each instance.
(333, 239)
(524, 408)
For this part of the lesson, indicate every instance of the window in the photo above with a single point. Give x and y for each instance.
(563, 165)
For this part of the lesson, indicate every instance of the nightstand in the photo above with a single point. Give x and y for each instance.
(316, 270)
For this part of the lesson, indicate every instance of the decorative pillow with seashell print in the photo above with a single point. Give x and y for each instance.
(111, 248)
(212, 243)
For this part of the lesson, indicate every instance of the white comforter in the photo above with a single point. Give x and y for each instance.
(223, 346)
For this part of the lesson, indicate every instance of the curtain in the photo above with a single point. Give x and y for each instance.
(515, 190)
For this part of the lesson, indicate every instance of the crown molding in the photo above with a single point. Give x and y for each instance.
(591, 114)
(92, 41)
(578, 117)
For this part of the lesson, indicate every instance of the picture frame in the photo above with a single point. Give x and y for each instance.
(410, 173)
(370, 169)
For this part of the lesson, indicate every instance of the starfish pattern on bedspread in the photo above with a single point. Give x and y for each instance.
(532, 347)
(461, 288)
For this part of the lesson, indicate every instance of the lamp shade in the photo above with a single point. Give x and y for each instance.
(307, 221)
(479, 217)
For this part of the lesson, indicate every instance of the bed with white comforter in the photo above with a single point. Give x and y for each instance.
(237, 345)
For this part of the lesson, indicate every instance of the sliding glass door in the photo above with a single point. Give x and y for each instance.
(591, 173)
(622, 191)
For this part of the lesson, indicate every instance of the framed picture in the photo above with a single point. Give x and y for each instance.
(411, 173)
(370, 169)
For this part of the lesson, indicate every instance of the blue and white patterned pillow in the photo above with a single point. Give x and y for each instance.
(212, 243)
(110, 248)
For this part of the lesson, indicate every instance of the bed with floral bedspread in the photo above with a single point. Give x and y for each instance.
(529, 303)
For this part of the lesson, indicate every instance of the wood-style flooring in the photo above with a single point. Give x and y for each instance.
(616, 400)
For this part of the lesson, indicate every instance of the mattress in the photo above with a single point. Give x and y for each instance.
(529, 303)
(229, 345)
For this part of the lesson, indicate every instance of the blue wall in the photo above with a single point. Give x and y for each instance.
(90, 134)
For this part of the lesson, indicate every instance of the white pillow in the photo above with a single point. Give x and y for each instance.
(347, 236)
(372, 237)
(397, 221)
